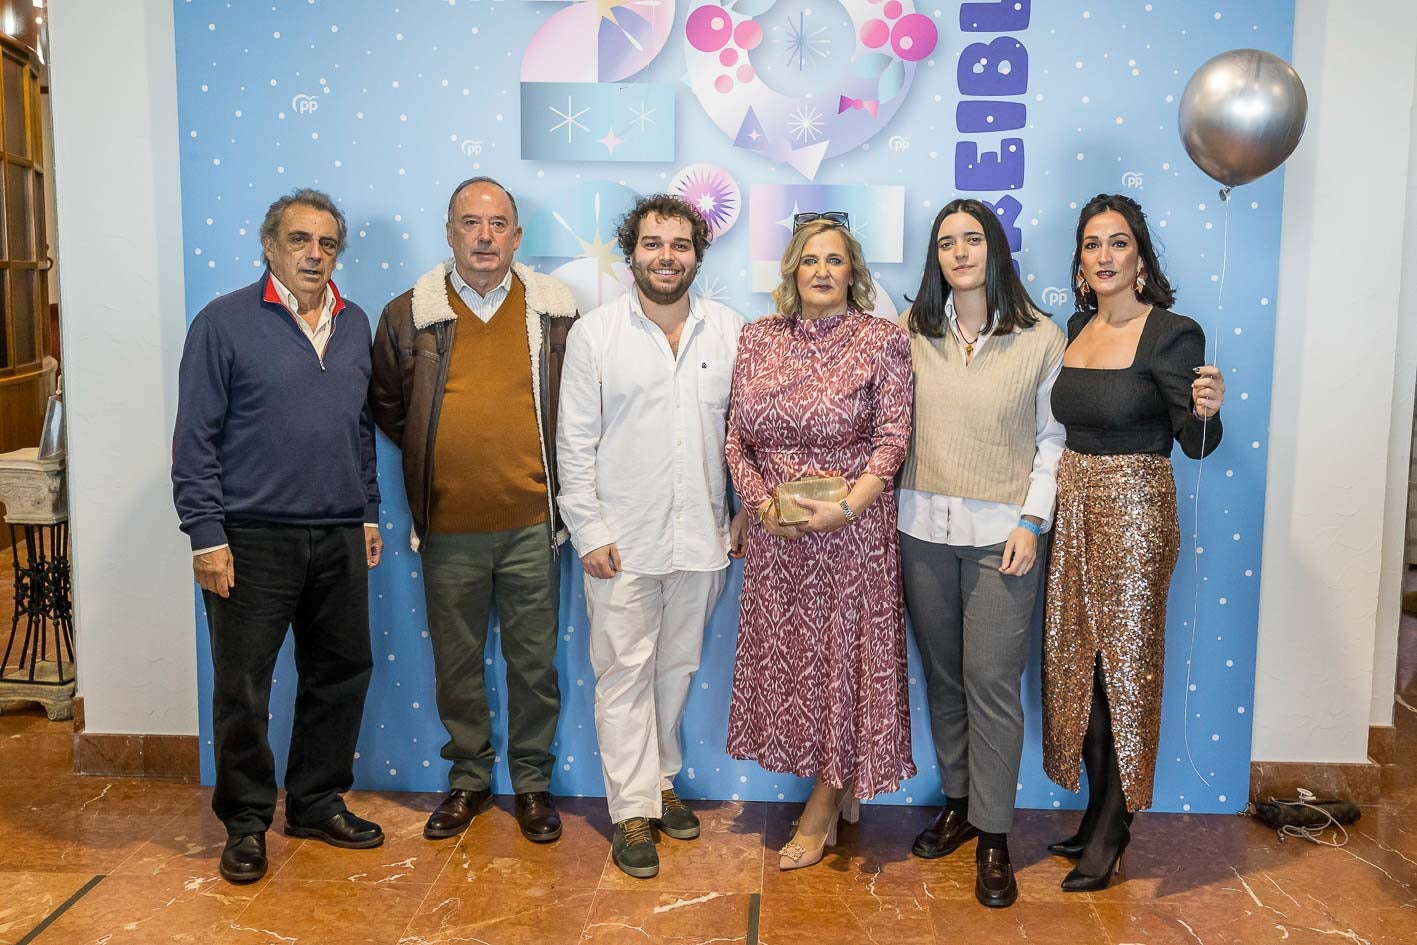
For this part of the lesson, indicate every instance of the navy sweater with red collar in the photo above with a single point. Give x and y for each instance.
(267, 430)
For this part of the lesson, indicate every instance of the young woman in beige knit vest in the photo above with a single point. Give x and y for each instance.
(976, 500)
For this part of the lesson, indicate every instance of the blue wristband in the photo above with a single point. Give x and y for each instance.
(1025, 523)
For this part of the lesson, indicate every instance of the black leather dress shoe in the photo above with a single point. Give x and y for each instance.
(994, 884)
(451, 817)
(1070, 848)
(944, 835)
(342, 830)
(537, 817)
(244, 859)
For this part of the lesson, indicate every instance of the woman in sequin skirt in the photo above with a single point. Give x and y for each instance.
(1133, 382)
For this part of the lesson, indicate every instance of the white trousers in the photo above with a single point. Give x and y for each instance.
(646, 635)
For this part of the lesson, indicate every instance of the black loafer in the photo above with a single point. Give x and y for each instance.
(342, 830)
(537, 817)
(244, 858)
(451, 817)
(944, 835)
(994, 884)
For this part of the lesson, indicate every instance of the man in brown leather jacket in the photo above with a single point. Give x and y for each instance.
(467, 370)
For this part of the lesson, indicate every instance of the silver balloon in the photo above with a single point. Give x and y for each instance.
(1242, 115)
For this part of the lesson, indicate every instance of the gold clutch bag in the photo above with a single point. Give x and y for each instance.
(821, 488)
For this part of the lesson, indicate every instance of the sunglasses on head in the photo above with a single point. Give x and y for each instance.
(839, 217)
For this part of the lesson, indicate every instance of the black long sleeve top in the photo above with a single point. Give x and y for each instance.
(1144, 407)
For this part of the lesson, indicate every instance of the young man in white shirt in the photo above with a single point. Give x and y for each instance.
(644, 492)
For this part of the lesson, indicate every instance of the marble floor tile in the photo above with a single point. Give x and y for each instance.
(150, 910)
(74, 845)
(29, 898)
(1027, 921)
(844, 918)
(496, 916)
(404, 857)
(325, 912)
(47, 796)
(23, 749)
(632, 917)
(493, 852)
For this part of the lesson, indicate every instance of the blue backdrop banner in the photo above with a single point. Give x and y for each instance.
(752, 109)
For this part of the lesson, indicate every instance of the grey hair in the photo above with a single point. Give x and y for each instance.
(304, 197)
(482, 180)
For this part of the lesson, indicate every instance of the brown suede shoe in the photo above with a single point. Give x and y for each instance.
(457, 810)
(537, 817)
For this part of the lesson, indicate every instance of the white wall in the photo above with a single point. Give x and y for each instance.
(113, 90)
(1404, 385)
(1329, 534)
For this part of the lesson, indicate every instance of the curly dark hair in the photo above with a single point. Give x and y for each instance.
(1158, 289)
(627, 234)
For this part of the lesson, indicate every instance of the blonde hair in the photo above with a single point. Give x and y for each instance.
(861, 295)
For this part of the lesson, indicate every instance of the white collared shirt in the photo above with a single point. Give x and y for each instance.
(978, 523)
(640, 436)
(319, 336)
(483, 306)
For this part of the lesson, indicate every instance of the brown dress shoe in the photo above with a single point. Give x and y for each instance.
(944, 835)
(452, 816)
(537, 817)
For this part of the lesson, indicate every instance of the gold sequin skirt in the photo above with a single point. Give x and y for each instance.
(1115, 542)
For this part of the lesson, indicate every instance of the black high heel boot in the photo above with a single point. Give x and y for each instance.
(1102, 846)
(1094, 762)
(1078, 881)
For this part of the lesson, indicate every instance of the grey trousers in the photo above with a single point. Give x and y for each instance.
(461, 574)
(972, 627)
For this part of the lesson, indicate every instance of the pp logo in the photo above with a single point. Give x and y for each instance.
(304, 104)
(898, 143)
(1053, 296)
(470, 148)
(1132, 180)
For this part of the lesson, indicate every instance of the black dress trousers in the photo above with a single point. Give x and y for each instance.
(315, 580)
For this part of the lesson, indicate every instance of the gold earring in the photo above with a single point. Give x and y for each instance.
(1140, 284)
(1082, 285)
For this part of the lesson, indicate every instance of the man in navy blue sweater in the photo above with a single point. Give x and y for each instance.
(273, 478)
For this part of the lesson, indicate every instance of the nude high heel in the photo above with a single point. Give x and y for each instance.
(794, 856)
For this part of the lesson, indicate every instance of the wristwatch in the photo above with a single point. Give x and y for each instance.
(846, 510)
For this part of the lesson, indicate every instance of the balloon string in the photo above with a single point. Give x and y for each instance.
(1196, 500)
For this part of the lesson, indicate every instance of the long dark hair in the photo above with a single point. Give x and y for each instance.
(1157, 290)
(1003, 291)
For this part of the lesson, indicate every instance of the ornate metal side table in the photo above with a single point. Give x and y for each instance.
(38, 663)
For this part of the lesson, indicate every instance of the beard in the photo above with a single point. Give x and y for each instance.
(643, 281)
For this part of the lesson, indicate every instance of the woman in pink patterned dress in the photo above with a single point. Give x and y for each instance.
(819, 682)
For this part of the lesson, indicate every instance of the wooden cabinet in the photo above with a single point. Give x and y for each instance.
(24, 252)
